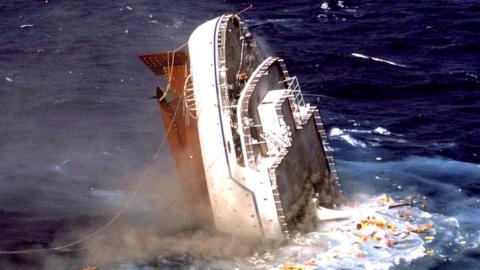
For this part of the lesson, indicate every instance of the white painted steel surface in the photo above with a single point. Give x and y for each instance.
(241, 198)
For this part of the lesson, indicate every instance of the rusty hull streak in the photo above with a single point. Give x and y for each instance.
(183, 139)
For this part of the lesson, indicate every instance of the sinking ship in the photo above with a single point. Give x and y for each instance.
(251, 155)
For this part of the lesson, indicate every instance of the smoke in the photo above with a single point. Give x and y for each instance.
(151, 247)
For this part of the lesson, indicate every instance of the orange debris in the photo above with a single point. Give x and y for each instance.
(423, 229)
(390, 242)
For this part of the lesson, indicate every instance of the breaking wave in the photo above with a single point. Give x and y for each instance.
(359, 55)
(381, 135)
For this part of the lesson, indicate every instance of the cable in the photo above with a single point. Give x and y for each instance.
(116, 216)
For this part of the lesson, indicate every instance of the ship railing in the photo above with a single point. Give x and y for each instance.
(328, 150)
(294, 86)
(276, 194)
(246, 122)
(300, 110)
(222, 62)
(189, 105)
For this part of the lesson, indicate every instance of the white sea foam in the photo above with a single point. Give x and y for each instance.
(352, 141)
(359, 131)
(363, 56)
(106, 153)
(26, 25)
(359, 55)
(335, 132)
(8, 79)
(382, 131)
(342, 244)
(59, 167)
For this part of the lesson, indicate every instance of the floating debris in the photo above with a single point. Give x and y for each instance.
(429, 238)
(293, 267)
(379, 233)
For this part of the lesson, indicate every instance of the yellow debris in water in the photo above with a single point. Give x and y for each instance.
(384, 198)
(293, 267)
(430, 251)
(429, 238)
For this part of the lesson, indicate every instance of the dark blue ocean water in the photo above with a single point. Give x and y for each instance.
(397, 83)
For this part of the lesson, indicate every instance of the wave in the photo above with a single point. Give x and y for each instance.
(382, 135)
(359, 55)
(451, 190)
(336, 132)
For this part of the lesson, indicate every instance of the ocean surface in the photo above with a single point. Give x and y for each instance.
(397, 83)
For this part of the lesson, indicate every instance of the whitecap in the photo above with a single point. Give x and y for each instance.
(352, 141)
(8, 79)
(335, 132)
(26, 25)
(360, 131)
(106, 153)
(382, 131)
(452, 221)
(387, 62)
(363, 56)
(359, 55)
(58, 168)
